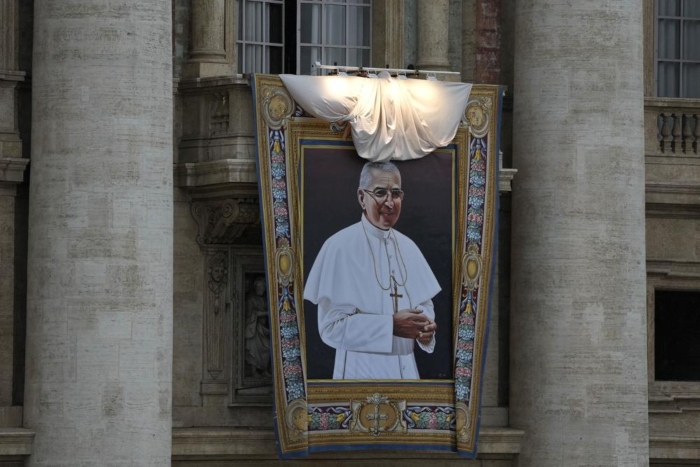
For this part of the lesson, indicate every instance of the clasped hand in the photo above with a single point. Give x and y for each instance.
(413, 324)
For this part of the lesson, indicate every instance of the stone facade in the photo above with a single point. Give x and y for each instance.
(125, 260)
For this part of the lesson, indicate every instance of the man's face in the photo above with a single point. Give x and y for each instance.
(381, 212)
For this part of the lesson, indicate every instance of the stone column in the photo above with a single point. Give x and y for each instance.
(99, 325)
(578, 324)
(11, 173)
(388, 34)
(469, 41)
(211, 39)
(433, 34)
(10, 144)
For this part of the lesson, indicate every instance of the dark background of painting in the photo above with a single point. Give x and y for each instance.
(329, 204)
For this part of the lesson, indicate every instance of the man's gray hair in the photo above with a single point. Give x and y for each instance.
(366, 174)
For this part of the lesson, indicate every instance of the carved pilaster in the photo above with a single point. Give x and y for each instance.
(10, 143)
(468, 40)
(212, 39)
(223, 222)
(388, 33)
(433, 34)
(216, 307)
(8, 35)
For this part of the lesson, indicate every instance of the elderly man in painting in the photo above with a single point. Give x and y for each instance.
(374, 288)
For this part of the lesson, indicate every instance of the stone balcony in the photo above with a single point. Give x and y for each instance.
(671, 135)
(672, 126)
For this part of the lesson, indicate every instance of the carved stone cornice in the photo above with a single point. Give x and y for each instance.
(670, 268)
(674, 403)
(12, 169)
(15, 442)
(222, 222)
(200, 174)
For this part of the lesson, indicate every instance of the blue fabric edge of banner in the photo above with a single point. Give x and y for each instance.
(494, 265)
(253, 83)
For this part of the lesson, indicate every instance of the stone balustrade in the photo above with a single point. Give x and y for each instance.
(672, 126)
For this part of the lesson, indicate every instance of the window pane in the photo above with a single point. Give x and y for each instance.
(241, 13)
(365, 2)
(358, 57)
(275, 60)
(691, 9)
(669, 39)
(253, 21)
(310, 24)
(676, 346)
(254, 59)
(335, 25)
(358, 21)
(335, 56)
(669, 8)
(669, 82)
(691, 80)
(240, 58)
(691, 40)
(307, 56)
(275, 22)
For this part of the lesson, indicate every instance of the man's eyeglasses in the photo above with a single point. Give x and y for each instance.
(381, 194)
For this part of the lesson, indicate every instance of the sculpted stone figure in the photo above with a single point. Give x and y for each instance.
(257, 331)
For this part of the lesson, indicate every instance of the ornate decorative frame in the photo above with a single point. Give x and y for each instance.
(320, 415)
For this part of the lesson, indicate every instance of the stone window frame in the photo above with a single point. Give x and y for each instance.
(665, 395)
(323, 5)
(373, 5)
(649, 24)
(682, 19)
(242, 43)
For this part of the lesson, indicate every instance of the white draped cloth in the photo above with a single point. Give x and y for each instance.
(355, 312)
(391, 119)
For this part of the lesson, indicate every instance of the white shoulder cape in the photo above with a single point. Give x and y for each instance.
(344, 271)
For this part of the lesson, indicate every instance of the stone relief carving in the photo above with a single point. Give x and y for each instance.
(215, 339)
(223, 222)
(219, 114)
(257, 330)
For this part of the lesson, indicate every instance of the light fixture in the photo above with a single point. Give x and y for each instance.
(372, 72)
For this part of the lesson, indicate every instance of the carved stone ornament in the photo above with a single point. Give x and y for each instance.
(277, 105)
(219, 114)
(377, 415)
(214, 316)
(221, 223)
(217, 274)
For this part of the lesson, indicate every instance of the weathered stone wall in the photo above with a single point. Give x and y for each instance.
(99, 334)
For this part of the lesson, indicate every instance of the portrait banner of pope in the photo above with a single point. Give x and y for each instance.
(378, 202)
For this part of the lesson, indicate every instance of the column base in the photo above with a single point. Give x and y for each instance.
(194, 70)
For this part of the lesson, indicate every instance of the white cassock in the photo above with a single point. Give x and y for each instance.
(355, 312)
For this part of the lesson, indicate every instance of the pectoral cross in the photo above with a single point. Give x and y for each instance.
(376, 417)
(395, 295)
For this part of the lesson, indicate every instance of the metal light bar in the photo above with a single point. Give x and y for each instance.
(373, 71)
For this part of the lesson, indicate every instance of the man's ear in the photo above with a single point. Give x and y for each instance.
(361, 198)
